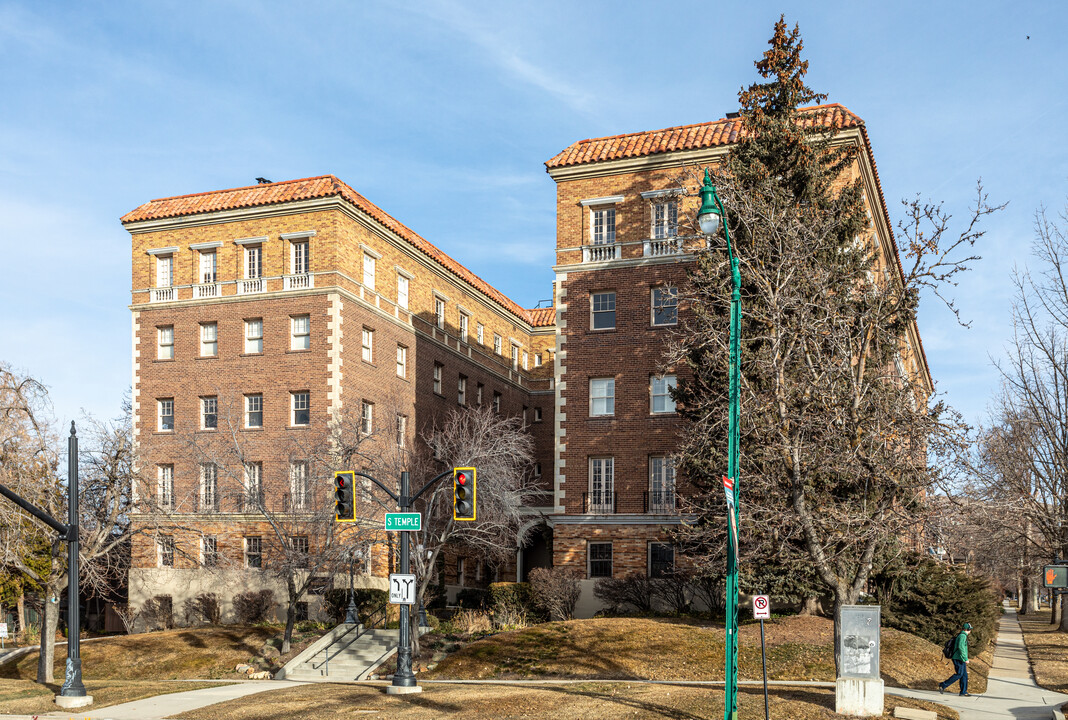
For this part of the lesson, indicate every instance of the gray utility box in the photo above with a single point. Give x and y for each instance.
(859, 689)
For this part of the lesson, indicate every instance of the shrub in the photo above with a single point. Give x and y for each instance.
(674, 591)
(367, 600)
(472, 622)
(710, 591)
(933, 600)
(510, 595)
(203, 609)
(157, 613)
(635, 590)
(473, 598)
(556, 591)
(254, 606)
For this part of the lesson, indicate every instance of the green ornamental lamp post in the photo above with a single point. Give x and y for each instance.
(710, 217)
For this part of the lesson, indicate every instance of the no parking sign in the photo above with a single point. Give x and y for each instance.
(761, 608)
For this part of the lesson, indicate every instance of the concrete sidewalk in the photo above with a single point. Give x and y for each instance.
(165, 706)
(1010, 691)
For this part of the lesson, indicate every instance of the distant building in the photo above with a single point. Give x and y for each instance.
(283, 305)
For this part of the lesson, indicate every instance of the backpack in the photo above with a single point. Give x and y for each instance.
(949, 647)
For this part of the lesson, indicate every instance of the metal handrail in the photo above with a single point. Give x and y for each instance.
(362, 628)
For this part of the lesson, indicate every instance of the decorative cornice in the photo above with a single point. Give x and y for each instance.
(610, 200)
(252, 240)
(206, 245)
(162, 251)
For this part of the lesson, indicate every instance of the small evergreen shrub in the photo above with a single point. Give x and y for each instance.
(931, 599)
(254, 607)
(474, 598)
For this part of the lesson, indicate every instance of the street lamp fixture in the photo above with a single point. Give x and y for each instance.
(710, 217)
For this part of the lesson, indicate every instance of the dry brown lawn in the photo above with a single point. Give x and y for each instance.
(1048, 650)
(604, 701)
(208, 653)
(798, 648)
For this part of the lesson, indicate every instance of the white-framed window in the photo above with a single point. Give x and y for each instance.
(298, 484)
(367, 351)
(496, 344)
(602, 485)
(515, 357)
(526, 360)
(164, 270)
(437, 377)
(660, 387)
(402, 430)
(209, 339)
(480, 333)
(367, 410)
(537, 414)
(300, 332)
(439, 313)
(665, 219)
(165, 342)
(165, 413)
(463, 326)
(496, 401)
(602, 396)
(254, 552)
(604, 225)
(602, 310)
(209, 551)
(461, 391)
(402, 361)
(301, 405)
(253, 262)
(209, 487)
(537, 360)
(599, 559)
(207, 266)
(661, 484)
(254, 411)
(165, 485)
(664, 305)
(253, 486)
(479, 389)
(209, 413)
(402, 291)
(661, 560)
(165, 545)
(368, 271)
(254, 336)
(299, 258)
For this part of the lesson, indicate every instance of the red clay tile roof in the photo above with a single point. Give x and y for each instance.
(542, 317)
(687, 137)
(308, 189)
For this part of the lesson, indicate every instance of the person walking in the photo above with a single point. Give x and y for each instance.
(960, 662)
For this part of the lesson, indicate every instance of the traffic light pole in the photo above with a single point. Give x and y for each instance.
(404, 677)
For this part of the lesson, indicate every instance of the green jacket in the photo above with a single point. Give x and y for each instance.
(960, 648)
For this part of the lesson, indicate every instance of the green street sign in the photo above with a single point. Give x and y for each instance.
(404, 521)
(1055, 576)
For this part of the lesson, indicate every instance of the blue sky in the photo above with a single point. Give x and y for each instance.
(442, 113)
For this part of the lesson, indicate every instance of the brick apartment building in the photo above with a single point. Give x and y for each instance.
(281, 306)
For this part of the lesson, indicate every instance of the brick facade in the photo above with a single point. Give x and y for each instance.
(629, 175)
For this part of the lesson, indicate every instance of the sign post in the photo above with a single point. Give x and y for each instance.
(3, 634)
(762, 612)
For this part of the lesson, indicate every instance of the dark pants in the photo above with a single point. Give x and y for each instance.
(960, 672)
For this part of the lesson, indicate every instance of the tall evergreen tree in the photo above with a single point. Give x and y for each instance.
(834, 436)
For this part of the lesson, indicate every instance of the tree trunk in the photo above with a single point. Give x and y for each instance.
(1034, 599)
(49, 621)
(291, 614)
(809, 606)
(20, 606)
(1063, 621)
(1054, 608)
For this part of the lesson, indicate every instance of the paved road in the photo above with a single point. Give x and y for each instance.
(1011, 692)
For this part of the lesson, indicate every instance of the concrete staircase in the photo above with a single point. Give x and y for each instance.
(347, 652)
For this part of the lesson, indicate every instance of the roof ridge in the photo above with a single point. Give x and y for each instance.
(243, 187)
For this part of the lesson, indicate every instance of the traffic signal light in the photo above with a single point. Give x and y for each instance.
(463, 493)
(344, 497)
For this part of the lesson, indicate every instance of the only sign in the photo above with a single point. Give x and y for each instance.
(761, 608)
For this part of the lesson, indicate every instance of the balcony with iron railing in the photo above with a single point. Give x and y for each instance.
(649, 502)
